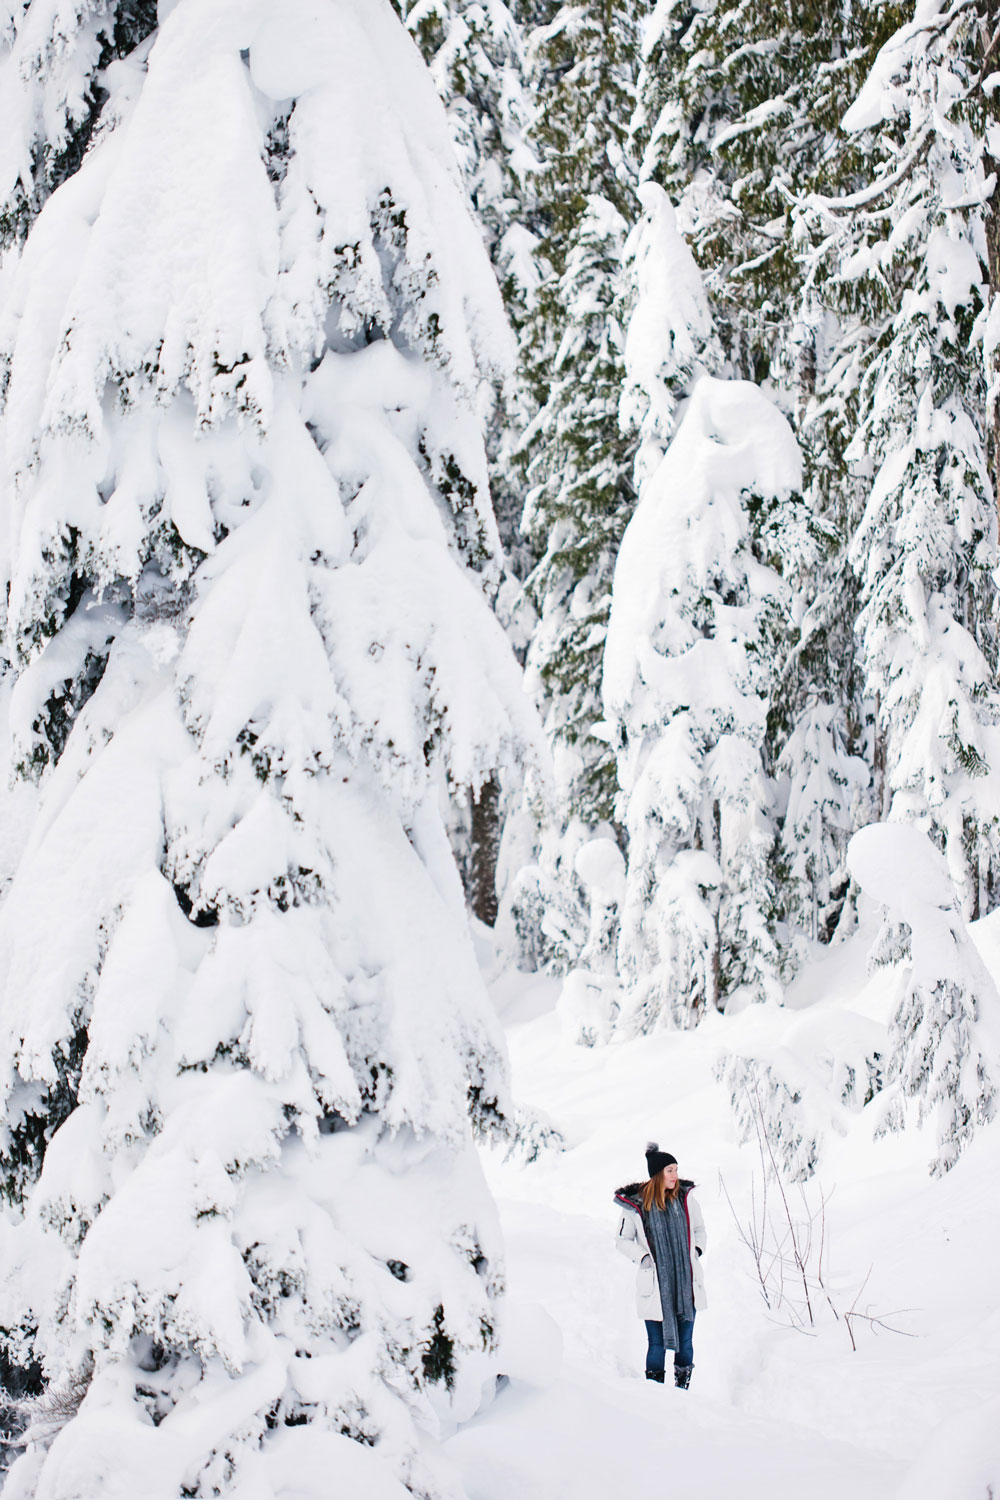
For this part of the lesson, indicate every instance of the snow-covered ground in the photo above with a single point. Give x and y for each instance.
(772, 1412)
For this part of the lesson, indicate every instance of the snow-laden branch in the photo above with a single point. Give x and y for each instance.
(876, 189)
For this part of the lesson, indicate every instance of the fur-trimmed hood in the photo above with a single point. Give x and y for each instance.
(630, 1195)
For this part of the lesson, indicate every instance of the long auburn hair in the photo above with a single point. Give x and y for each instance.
(656, 1194)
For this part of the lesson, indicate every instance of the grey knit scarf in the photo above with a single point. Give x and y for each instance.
(667, 1236)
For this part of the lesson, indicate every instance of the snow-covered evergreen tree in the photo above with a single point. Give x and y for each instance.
(821, 787)
(476, 52)
(589, 1002)
(944, 1036)
(671, 339)
(52, 104)
(911, 247)
(247, 546)
(738, 117)
(577, 461)
(696, 618)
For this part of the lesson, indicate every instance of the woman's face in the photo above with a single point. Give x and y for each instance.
(670, 1176)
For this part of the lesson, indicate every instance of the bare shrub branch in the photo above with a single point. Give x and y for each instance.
(789, 1246)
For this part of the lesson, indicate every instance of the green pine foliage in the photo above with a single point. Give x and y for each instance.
(740, 111)
(576, 460)
(578, 465)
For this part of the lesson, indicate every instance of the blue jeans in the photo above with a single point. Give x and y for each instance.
(656, 1355)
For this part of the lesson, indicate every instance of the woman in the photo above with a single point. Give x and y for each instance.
(662, 1230)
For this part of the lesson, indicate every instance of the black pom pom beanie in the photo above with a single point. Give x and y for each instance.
(656, 1159)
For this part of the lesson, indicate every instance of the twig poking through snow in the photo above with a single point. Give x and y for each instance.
(789, 1249)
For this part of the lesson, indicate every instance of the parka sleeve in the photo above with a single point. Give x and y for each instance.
(627, 1240)
(699, 1234)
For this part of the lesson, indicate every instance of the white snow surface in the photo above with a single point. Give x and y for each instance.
(772, 1413)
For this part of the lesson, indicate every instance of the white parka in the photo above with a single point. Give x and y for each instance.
(632, 1243)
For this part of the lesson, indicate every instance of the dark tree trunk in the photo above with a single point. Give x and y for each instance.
(484, 847)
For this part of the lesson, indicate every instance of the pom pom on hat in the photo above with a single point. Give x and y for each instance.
(656, 1159)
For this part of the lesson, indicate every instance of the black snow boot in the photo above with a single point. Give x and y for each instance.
(682, 1376)
(655, 1375)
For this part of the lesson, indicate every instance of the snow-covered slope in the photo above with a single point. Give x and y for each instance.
(772, 1411)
